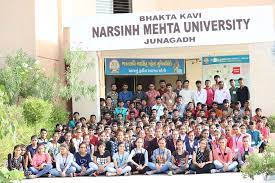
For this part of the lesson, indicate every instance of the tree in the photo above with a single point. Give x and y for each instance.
(78, 62)
(23, 77)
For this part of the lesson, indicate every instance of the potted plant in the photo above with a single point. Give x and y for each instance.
(261, 164)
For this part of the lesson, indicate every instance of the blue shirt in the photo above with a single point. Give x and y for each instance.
(125, 96)
(255, 138)
(122, 111)
(83, 161)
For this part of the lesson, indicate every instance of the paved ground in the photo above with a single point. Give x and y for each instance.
(205, 178)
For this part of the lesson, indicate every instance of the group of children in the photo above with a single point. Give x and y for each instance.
(150, 139)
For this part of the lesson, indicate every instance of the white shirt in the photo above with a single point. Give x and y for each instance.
(159, 109)
(200, 96)
(187, 95)
(221, 94)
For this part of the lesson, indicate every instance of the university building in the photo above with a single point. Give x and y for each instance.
(43, 28)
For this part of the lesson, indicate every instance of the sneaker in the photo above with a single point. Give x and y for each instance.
(170, 173)
(49, 175)
(149, 173)
(108, 174)
(71, 175)
(95, 174)
(215, 171)
(32, 177)
(127, 174)
(235, 170)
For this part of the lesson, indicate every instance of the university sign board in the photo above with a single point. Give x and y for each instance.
(139, 66)
(192, 27)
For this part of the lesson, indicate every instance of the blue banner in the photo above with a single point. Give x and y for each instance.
(139, 66)
(225, 59)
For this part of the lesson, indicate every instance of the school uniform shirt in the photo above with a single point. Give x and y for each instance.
(159, 109)
(223, 157)
(64, 162)
(180, 159)
(210, 95)
(39, 159)
(255, 138)
(243, 94)
(125, 96)
(102, 159)
(121, 159)
(151, 96)
(200, 96)
(222, 94)
(161, 156)
(83, 160)
(187, 96)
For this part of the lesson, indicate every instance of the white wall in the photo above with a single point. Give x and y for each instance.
(86, 106)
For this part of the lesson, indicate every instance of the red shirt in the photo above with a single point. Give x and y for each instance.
(229, 142)
(94, 140)
(210, 95)
(265, 133)
(161, 91)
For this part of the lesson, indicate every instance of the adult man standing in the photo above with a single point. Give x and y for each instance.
(113, 94)
(233, 91)
(210, 93)
(178, 87)
(139, 94)
(125, 95)
(200, 95)
(243, 94)
(163, 89)
(169, 97)
(151, 95)
(187, 95)
(221, 94)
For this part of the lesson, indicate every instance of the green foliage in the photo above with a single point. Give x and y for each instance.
(7, 176)
(59, 115)
(37, 111)
(258, 164)
(271, 123)
(22, 77)
(78, 63)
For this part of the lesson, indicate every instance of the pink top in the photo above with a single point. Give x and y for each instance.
(152, 94)
(265, 133)
(210, 96)
(39, 159)
(223, 156)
